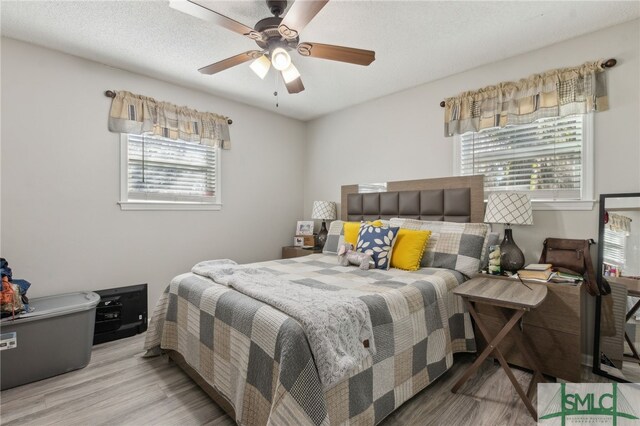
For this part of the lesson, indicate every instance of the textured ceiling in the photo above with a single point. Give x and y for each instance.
(415, 42)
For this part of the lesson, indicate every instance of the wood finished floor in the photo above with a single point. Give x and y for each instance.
(119, 387)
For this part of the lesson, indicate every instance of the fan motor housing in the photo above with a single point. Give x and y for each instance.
(267, 24)
(268, 27)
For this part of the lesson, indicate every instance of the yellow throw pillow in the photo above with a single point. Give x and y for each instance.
(409, 248)
(351, 230)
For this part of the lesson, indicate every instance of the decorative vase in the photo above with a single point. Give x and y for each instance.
(511, 257)
(322, 235)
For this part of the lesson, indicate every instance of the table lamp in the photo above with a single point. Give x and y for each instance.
(324, 210)
(509, 208)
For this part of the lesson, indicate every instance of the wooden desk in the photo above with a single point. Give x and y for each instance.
(632, 284)
(512, 299)
(553, 330)
(633, 289)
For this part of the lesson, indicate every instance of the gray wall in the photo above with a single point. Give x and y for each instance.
(61, 226)
(400, 136)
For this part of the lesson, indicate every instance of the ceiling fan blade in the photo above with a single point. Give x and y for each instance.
(230, 62)
(337, 53)
(295, 86)
(202, 9)
(299, 15)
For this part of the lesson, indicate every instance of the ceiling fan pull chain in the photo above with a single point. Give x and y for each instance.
(275, 93)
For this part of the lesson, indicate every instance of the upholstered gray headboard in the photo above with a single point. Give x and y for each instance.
(454, 199)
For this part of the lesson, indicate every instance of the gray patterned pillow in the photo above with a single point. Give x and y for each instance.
(452, 245)
(335, 237)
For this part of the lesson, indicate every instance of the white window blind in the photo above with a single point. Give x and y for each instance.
(161, 169)
(615, 246)
(545, 158)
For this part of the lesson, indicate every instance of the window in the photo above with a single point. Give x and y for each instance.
(164, 174)
(552, 159)
(615, 246)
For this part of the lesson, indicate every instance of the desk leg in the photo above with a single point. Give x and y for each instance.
(528, 355)
(633, 310)
(635, 357)
(492, 347)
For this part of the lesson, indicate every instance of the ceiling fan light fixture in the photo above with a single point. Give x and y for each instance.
(261, 66)
(290, 73)
(276, 36)
(280, 59)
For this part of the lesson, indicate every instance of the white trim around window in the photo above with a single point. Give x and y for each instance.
(163, 202)
(587, 200)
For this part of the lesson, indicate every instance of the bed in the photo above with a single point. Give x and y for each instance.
(257, 362)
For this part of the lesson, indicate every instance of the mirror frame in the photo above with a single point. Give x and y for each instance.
(596, 329)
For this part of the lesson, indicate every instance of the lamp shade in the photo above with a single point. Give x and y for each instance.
(261, 66)
(509, 207)
(280, 59)
(291, 73)
(325, 210)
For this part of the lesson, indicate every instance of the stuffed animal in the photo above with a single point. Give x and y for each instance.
(347, 255)
(494, 260)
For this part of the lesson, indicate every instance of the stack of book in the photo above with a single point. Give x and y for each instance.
(536, 271)
(566, 278)
(544, 272)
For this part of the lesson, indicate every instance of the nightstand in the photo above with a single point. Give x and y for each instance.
(512, 299)
(292, 251)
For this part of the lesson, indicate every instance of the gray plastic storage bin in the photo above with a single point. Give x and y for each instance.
(53, 339)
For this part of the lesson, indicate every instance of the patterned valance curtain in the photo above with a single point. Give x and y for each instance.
(620, 223)
(139, 114)
(555, 93)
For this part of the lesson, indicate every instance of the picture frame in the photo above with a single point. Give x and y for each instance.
(298, 241)
(304, 227)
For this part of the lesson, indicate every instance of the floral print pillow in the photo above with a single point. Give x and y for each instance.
(377, 242)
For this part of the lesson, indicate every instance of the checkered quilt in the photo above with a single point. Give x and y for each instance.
(260, 360)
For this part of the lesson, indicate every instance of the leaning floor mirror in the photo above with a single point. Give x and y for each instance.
(617, 319)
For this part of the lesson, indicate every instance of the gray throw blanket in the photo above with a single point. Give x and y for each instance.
(336, 322)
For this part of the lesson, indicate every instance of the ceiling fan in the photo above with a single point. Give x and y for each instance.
(275, 36)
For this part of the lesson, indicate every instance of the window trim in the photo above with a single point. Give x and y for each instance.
(587, 200)
(126, 204)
